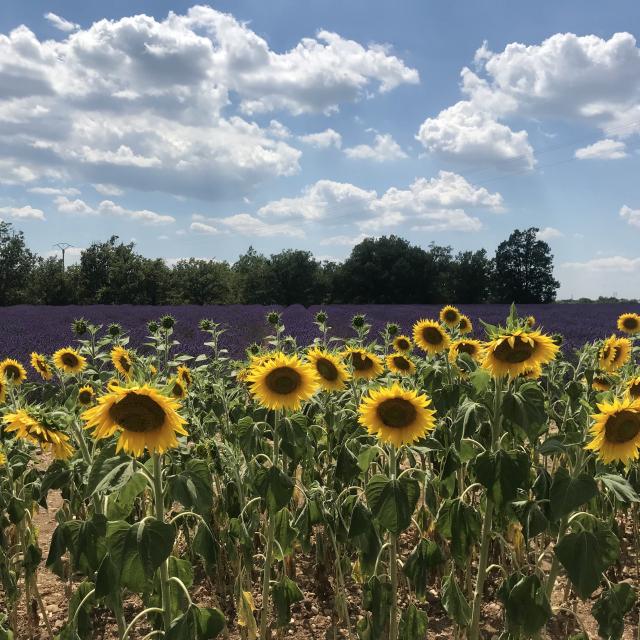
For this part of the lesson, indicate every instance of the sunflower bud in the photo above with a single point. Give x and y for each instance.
(206, 324)
(392, 329)
(167, 322)
(253, 349)
(358, 321)
(79, 326)
(273, 318)
(114, 329)
(153, 326)
(321, 317)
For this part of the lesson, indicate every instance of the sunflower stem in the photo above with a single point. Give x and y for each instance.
(164, 569)
(393, 557)
(496, 427)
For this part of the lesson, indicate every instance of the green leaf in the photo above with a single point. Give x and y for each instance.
(454, 602)
(392, 502)
(285, 534)
(502, 473)
(196, 623)
(274, 487)
(83, 620)
(107, 578)
(531, 517)
(121, 502)
(420, 564)
(611, 608)
(155, 541)
(347, 467)
(413, 624)
(585, 555)
(527, 606)
(376, 599)
(567, 493)
(620, 487)
(362, 532)
(285, 593)
(460, 523)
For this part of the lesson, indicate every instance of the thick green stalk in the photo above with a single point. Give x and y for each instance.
(496, 427)
(393, 558)
(164, 569)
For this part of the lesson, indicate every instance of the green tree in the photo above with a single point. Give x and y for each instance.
(51, 284)
(471, 277)
(16, 265)
(298, 277)
(201, 282)
(254, 279)
(523, 270)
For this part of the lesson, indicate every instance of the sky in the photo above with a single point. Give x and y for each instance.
(199, 130)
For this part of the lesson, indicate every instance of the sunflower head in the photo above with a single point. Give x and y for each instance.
(629, 323)
(633, 388)
(40, 364)
(331, 371)
(28, 426)
(600, 383)
(184, 375)
(153, 370)
(364, 364)
(450, 316)
(3, 390)
(392, 329)
(402, 344)
(616, 431)
(206, 324)
(79, 326)
(473, 348)
(321, 317)
(178, 388)
(401, 364)
(465, 325)
(512, 353)
(68, 360)
(396, 415)
(113, 384)
(86, 395)
(153, 326)
(530, 321)
(3, 459)
(614, 353)
(114, 329)
(430, 336)
(122, 361)
(283, 382)
(12, 371)
(142, 416)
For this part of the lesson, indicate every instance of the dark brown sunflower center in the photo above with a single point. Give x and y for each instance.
(69, 359)
(283, 380)
(466, 347)
(432, 335)
(603, 382)
(463, 324)
(400, 362)
(186, 377)
(12, 372)
(85, 396)
(622, 427)
(402, 344)
(177, 390)
(138, 413)
(630, 323)
(450, 315)
(361, 362)
(396, 413)
(41, 365)
(634, 390)
(520, 352)
(125, 363)
(616, 354)
(327, 369)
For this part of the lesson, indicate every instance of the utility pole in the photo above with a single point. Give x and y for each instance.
(63, 246)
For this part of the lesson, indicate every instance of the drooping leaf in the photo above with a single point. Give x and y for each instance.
(611, 608)
(413, 624)
(502, 473)
(567, 493)
(285, 593)
(392, 502)
(454, 602)
(420, 564)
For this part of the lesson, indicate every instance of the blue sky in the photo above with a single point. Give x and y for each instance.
(201, 130)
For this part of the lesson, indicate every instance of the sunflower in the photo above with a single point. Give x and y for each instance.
(113, 385)
(364, 364)
(283, 382)
(629, 323)
(530, 321)
(34, 431)
(12, 371)
(332, 373)
(178, 389)
(450, 316)
(614, 353)
(153, 370)
(396, 415)
(430, 336)
(515, 352)
(69, 360)
(465, 325)
(86, 395)
(143, 417)
(472, 348)
(532, 373)
(184, 375)
(3, 458)
(600, 383)
(3, 390)
(633, 387)
(401, 364)
(616, 431)
(40, 364)
(122, 361)
(402, 344)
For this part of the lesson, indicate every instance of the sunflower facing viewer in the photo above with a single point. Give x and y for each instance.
(450, 316)
(69, 360)
(401, 364)
(616, 431)
(516, 352)
(283, 382)
(614, 353)
(143, 417)
(332, 373)
(402, 343)
(473, 348)
(40, 364)
(364, 364)
(122, 361)
(396, 415)
(430, 336)
(629, 323)
(12, 371)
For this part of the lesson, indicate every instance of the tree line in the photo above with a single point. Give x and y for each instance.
(386, 270)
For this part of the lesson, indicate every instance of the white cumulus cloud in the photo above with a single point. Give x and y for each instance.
(110, 208)
(632, 216)
(606, 149)
(323, 139)
(23, 213)
(549, 233)
(384, 149)
(60, 23)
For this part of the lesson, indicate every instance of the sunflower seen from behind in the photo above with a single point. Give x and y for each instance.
(614, 353)
(401, 364)
(430, 336)
(515, 352)
(283, 382)
(450, 316)
(629, 323)
(332, 373)
(122, 361)
(41, 366)
(141, 416)
(616, 431)
(402, 344)
(30, 428)
(396, 415)
(69, 361)
(12, 371)
(364, 364)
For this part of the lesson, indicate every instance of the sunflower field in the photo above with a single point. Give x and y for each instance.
(457, 482)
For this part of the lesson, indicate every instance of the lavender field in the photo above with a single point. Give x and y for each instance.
(44, 329)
